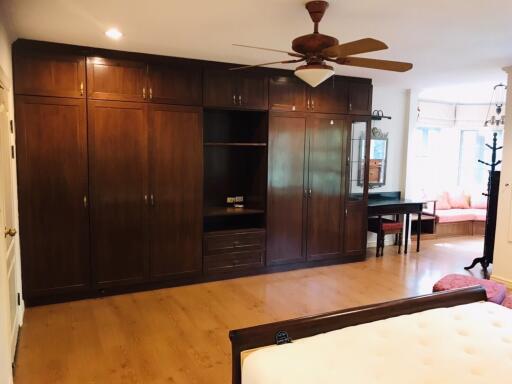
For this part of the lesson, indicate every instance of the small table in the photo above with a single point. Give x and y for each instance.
(383, 207)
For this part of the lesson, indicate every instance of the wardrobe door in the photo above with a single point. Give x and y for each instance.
(329, 97)
(253, 90)
(325, 192)
(49, 74)
(285, 196)
(360, 98)
(52, 179)
(122, 80)
(118, 164)
(287, 93)
(176, 196)
(175, 83)
(220, 88)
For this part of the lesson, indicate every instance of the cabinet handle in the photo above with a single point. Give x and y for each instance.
(346, 212)
(152, 199)
(144, 92)
(307, 104)
(9, 232)
(312, 104)
(309, 192)
(150, 93)
(239, 100)
(349, 106)
(81, 88)
(146, 199)
(234, 99)
(85, 201)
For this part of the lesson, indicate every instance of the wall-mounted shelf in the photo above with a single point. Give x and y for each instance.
(231, 211)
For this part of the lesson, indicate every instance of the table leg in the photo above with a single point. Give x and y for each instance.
(406, 232)
(379, 234)
(418, 232)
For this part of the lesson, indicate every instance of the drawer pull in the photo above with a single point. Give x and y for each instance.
(236, 244)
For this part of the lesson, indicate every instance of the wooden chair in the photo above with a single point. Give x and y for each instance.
(382, 227)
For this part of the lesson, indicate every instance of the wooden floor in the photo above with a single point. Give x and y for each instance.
(180, 335)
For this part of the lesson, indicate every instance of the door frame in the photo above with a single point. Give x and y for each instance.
(10, 263)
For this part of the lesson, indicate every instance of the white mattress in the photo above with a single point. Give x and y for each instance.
(465, 344)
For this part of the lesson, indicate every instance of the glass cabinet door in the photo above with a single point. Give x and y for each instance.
(357, 160)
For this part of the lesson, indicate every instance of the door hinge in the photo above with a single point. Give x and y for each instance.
(12, 151)
(19, 299)
(11, 122)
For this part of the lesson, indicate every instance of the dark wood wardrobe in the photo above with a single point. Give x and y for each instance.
(126, 162)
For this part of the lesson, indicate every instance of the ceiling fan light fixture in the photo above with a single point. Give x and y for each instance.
(314, 74)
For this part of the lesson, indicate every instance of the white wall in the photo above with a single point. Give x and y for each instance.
(502, 267)
(393, 102)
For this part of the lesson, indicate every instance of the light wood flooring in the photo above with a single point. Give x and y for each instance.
(180, 335)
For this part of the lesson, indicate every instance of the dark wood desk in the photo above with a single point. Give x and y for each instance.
(383, 207)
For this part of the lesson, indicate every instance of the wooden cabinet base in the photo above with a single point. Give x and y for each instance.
(146, 286)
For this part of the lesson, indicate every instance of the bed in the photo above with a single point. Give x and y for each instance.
(446, 337)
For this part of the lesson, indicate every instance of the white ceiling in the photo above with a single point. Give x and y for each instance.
(449, 41)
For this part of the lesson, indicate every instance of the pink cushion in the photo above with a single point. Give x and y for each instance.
(443, 202)
(508, 301)
(478, 214)
(458, 200)
(392, 226)
(454, 215)
(495, 292)
(478, 201)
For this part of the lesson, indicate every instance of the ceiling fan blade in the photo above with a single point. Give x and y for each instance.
(261, 65)
(270, 49)
(386, 65)
(354, 47)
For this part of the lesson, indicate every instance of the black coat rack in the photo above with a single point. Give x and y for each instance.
(492, 208)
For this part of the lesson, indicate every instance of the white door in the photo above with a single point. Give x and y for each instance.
(9, 245)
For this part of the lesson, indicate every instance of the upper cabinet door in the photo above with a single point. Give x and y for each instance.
(329, 97)
(176, 198)
(360, 98)
(286, 196)
(220, 88)
(287, 93)
(175, 83)
(253, 90)
(119, 193)
(49, 75)
(121, 80)
(325, 187)
(53, 186)
(231, 89)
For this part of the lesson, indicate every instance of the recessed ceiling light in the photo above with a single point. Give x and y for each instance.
(114, 33)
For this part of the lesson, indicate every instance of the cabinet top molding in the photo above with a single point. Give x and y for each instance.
(21, 46)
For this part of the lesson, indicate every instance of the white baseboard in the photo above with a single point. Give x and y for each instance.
(502, 280)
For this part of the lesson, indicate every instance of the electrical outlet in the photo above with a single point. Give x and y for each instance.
(230, 200)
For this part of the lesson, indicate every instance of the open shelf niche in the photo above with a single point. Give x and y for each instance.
(235, 164)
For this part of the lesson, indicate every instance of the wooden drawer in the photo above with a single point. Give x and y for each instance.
(234, 241)
(227, 262)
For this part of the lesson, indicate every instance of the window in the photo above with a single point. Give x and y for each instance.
(472, 174)
(427, 139)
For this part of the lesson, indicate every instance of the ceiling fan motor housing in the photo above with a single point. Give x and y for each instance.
(313, 44)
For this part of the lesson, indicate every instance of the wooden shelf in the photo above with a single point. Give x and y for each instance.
(231, 211)
(235, 144)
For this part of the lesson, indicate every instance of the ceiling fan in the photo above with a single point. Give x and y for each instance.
(315, 49)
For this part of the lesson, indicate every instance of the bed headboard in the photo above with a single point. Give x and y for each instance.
(264, 335)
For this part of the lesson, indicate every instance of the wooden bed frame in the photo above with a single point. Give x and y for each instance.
(267, 334)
